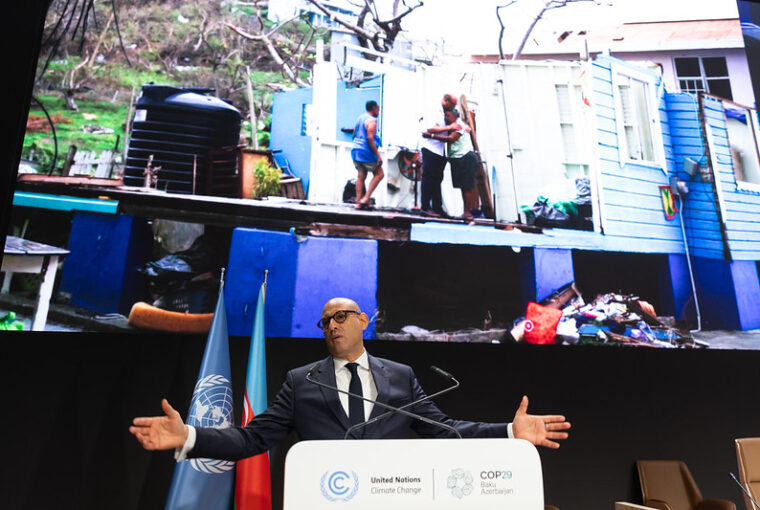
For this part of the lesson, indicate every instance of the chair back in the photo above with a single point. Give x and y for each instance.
(748, 458)
(669, 481)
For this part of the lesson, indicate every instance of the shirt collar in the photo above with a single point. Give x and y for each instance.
(362, 361)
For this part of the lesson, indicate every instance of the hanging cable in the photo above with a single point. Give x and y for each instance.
(688, 263)
(55, 137)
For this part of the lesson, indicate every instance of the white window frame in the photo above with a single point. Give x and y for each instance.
(620, 76)
(703, 78)
(576, 121)
(753, 125)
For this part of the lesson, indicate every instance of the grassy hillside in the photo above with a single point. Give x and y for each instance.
(165, 42)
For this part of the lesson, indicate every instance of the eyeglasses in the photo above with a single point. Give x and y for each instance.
(340, 317)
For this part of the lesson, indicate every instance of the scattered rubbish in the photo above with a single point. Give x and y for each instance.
(564, 210)
(94, 129)
(414, 331)
(8, 322)
(472, 335)
(610, 319)
(184, 281)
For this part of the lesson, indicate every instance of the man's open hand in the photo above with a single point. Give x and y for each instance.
(540, 430)
(160, 432)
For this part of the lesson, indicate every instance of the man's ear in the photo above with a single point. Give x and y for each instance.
(364, 319)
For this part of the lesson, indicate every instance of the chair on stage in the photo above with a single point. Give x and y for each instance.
(668, 485)
(748, 458)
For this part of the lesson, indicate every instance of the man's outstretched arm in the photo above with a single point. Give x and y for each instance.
(160, 432)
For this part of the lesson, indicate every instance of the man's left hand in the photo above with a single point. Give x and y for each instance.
(541, 430)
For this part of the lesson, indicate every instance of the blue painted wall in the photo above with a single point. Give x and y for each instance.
(304, 272)
(100, 272)
(630, 193)
(730, 291)
(351, 104)
(742, 214)
(542, 271)
(699, 210)
(288, 134)
(331, 267)
(252, 252)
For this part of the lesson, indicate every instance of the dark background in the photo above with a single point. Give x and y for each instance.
(69, 398)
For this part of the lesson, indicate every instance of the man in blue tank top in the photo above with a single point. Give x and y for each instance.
(366, 155)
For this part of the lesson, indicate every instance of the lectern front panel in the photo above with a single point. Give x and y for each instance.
(414, 474)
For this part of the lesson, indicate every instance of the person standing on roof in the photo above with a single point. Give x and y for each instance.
(464, 162)
(366, 155)
(434, 158)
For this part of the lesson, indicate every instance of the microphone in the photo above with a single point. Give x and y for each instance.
(744, 490)
(435, 369)
(381, 404)
(313, 369)
(444, 374)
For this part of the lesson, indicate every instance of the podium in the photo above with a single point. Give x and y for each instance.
(417, 474)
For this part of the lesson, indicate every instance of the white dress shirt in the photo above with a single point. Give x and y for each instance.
(343, 379)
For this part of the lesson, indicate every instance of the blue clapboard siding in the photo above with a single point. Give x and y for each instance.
(699, 209)
(742, 208)
(632, 206)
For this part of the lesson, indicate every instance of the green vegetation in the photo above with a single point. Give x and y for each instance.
(267, 180)
(70, 128)
(164, 41)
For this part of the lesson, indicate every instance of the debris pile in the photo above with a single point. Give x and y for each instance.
(610, 319)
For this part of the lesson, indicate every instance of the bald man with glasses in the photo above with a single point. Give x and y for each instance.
(317, 412)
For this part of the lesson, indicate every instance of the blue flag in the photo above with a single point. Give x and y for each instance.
(208, 483)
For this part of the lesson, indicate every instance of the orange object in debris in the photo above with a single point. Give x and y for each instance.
(147, 316)
(541, 323)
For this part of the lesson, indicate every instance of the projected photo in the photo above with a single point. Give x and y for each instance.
(566, 172)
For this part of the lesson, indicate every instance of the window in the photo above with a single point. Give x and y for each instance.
(569, 100)
(743, 131)
(703, 74)
(637, 115)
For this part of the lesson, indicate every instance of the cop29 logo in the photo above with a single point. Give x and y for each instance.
(459, 483)
(339, 485)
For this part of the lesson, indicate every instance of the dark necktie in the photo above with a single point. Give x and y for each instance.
(355, 405)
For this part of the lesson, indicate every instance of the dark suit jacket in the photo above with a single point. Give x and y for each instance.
(315, 412)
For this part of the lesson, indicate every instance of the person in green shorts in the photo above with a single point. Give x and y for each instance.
(464, 162)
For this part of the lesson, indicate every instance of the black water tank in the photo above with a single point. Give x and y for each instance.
(176, 125)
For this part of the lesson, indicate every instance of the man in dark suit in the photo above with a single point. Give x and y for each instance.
(316, 412)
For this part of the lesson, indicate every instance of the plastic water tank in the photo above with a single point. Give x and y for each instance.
(178, 126)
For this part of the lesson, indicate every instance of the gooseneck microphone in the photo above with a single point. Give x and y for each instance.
(435, 369)
(393, 409)
(744, 489)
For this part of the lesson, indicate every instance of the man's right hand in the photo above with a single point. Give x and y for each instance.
(160, 432)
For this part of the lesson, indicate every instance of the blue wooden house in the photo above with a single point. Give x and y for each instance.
(541, 125)
(630, 138)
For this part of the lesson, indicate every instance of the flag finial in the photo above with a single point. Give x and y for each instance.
(221, 280)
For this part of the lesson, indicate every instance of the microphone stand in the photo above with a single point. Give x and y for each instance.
(427, 397)
(381, 404)
(745, 490)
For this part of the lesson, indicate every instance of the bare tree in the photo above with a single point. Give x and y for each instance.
(290, 55)
(370, 28)
(547, 6)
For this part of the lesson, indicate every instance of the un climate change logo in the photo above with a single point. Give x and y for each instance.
(212, 407)
(460, 483)
(339, 486)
